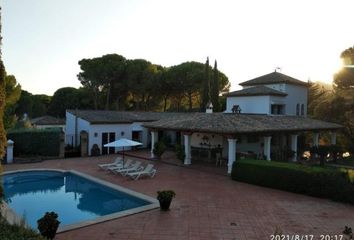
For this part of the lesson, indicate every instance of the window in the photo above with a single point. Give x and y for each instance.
(302, 109)
(277, 109)
(108, 137)
(297, 109)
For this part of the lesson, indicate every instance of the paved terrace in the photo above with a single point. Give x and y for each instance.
(208, 205)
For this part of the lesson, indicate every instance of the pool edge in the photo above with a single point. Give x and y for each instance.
(153, 202)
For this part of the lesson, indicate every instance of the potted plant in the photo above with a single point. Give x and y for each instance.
(165, 199)
(48, 225)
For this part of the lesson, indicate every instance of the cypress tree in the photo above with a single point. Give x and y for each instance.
(206, 88)
(2, 100)
(214, 90)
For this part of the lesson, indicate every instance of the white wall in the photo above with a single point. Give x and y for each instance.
(96, 130)
(296, 95)
(242, 145)
(249, 104)
(50, 126)
(69, 128)
(262, 104)
(279, 87)
(213, 139)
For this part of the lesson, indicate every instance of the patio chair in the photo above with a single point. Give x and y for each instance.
(126, 164)
(149, 170)
(118, 161)
(133, 168)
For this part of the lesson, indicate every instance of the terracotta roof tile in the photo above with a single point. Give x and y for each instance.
(274, 77)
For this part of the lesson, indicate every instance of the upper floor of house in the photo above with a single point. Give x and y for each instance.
(272, 94)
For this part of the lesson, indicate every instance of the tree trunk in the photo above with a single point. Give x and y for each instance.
(95, 104)
(165, 103)
(108, 96)
(190, 101)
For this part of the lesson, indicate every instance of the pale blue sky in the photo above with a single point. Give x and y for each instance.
(43, 40)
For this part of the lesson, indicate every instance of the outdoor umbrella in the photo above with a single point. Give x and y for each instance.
(123, 142)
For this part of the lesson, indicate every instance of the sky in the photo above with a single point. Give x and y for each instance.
(43, 40)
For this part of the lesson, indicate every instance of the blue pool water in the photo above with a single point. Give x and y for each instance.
(32, 193)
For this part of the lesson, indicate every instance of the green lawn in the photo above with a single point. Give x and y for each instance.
(346, 161)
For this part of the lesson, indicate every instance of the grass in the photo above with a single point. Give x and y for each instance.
(346, 161)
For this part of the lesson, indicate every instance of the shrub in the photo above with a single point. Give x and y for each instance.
(34, 142)
(15, 231)
(48, 225)
(159, 149)
(1, 190)
(180, 152)
(314, 181)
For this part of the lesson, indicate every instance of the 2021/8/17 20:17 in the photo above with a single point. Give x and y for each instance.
(306, 237)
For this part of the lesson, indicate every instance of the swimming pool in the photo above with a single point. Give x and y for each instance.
(78, 199)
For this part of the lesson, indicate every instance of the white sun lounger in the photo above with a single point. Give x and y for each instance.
(127, 163)
(118, 161)
(135, 167)
(149, 170)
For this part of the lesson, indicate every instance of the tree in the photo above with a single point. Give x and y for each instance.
(206, 87)
(214, 89)
(63, 99)
(188, 80)
(40, 105)
(336, 103)
(141, 77)
(12, 95)
(348, 56)
(2, 99)
(24, 104)
(344, 92)
(100, 74)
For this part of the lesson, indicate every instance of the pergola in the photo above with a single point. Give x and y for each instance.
(232, 125)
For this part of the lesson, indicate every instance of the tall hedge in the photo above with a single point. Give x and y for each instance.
(35, 142)
(2, 100)
(314, 181)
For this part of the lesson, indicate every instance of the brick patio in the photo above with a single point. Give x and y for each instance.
(208, 205)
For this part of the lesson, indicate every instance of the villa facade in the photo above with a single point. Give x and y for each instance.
(268, 114)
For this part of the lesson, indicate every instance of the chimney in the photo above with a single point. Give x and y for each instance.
(209, 108)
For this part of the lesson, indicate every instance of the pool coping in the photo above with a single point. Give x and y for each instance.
(153, 202)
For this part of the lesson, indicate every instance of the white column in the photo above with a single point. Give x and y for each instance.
(316, 136)
(187, 149)
(266, 151)
(10, 151)
(232, 154)
(154, 139)
(294, 146)
(333, 138)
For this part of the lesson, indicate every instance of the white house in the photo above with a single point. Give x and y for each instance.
(46, 122)
(274, 93)
(272, 117)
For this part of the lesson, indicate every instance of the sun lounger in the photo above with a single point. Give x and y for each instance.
(149, 170)
(118, 161)
(127, 163)
(135, 167)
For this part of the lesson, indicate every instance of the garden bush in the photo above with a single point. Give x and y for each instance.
(180, 152)
(159, 149)
(322, 182)
(35, 142)
(15, 231)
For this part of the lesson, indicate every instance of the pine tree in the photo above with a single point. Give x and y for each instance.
(206, 88)
(214, 89)
(2, 100)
